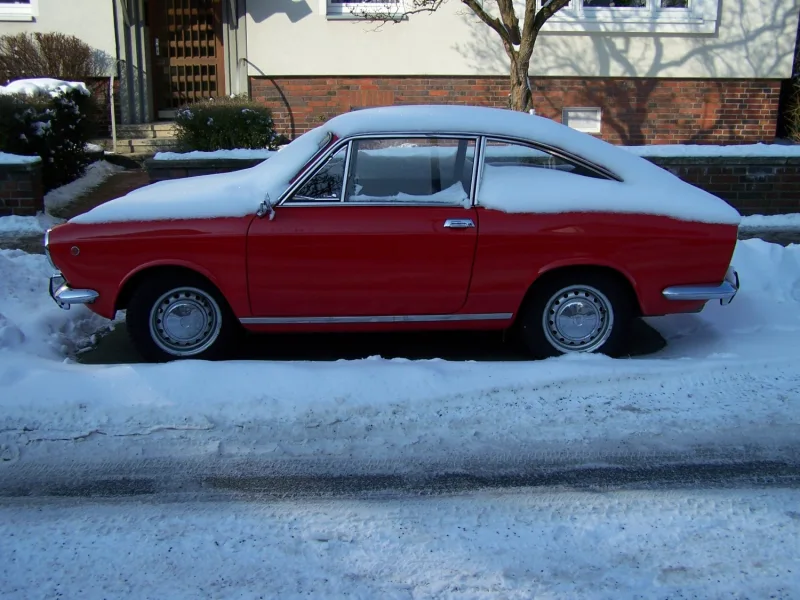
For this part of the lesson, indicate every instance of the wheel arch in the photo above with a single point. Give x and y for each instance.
(576, 269)
(137, 276)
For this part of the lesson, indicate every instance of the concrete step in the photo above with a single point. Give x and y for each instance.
(146, 130)
(139, 145)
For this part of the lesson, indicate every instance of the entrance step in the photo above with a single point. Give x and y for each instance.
(146, 130)
(139, 145)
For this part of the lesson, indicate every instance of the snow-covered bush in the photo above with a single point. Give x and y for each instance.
(55, 126)
(226, 123)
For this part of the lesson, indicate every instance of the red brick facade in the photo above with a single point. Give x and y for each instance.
(21, 191)
(634, 111)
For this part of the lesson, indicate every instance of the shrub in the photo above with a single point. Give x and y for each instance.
(55, 127)
(791, 112)
(225, 124)
(28, 55)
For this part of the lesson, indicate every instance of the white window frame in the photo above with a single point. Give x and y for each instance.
(358, 10)
(699, 17)
(594, 129)
(19, 12)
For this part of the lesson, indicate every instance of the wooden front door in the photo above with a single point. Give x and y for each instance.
(187, 52)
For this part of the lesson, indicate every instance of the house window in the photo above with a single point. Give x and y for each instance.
(19, 10)
(355, 9)
(636, 16)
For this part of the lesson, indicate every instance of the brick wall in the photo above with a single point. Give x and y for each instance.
(21, 191)
(752, 185)
(635, 111)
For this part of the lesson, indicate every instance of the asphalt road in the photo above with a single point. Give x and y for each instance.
(116, 348)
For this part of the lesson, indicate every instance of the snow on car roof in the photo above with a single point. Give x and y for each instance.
(646, 188)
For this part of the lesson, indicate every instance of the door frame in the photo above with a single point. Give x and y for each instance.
(158, 25)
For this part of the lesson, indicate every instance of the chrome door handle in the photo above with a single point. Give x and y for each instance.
(459, 223)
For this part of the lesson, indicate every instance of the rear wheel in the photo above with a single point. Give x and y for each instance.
(580, 312)
(177, 318)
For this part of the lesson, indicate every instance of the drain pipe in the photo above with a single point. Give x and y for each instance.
(113, 116)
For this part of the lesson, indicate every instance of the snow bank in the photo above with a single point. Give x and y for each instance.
(515, 545)
(788, 221)
(16, 225)
(43, 86)
(28, 323)
(237, 194)
(714, 151)
(96, 173)
(240, 153)
(16, 159)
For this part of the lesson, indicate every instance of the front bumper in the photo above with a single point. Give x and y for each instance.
(65, 296)
(724, 292)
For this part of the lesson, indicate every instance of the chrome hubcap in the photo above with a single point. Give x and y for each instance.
(578, 318)
(185, 321)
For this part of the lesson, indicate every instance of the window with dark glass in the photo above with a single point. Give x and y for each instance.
(326, 184)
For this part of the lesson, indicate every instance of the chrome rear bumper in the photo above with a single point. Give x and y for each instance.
(724, 292)
(65, 296)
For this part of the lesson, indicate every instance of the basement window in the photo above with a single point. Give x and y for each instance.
(636, 16)
(19, 10)
(582, 119)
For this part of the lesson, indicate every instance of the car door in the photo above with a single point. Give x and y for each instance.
(384, 227)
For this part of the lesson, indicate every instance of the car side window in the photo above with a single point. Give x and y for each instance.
(326, 184)
(411, 171)
(499, 154)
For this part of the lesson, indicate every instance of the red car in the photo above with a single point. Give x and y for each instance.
(405, 218)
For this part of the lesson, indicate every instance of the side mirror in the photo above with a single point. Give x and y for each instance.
(265, 208)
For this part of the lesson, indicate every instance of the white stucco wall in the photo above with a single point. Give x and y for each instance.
(751, 39)
(90, 20)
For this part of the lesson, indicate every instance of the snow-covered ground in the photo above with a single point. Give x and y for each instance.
(727, 384)
(519, 545)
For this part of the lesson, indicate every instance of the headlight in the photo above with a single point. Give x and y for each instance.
(47, 250)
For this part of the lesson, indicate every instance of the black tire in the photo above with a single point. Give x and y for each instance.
(587, 292)
(179, 298)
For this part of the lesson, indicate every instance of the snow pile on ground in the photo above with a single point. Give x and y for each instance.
(16, 159)
(728, 378)
(788, 221)
(712, 150)
(514, 545)
(239, 153)
(17, 225)
(42, 87)
(28, 323)
(96, 173)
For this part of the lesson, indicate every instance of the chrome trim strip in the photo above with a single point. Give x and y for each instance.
(478, 175)
(346, 170)
(375, 319)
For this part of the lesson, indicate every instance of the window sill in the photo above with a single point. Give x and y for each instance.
(346, 16)
(17, 16)
(632, 24)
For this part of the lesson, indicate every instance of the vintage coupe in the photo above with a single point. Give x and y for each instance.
(405, 218)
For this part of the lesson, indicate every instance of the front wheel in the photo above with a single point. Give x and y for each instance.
(178, 318)
(577, 313)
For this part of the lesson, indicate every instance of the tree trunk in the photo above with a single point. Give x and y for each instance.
(520, 97)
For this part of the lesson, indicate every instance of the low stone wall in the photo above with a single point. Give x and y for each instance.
(752, 185)
(767, 186)
(159, 170)
(21, 191)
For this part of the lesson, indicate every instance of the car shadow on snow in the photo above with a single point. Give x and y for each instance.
(115, 347)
